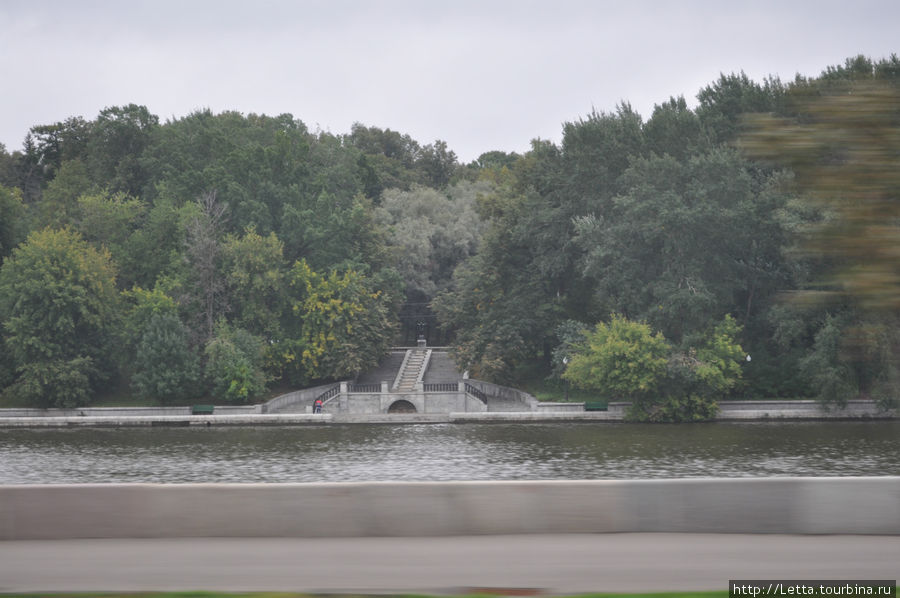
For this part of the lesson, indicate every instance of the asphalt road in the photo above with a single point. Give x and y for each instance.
(549, 564)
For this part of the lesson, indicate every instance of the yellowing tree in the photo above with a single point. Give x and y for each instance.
(344, 324)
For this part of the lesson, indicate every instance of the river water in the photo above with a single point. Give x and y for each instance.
(335, 453)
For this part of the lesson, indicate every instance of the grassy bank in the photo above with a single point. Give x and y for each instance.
(510, 592)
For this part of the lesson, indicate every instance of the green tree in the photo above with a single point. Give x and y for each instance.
(155, 249)
(719, 357)
(141, 306)
(686, 243)
(110, 221)
(58, 304)
(235, 365)
(706, 370)
(51, 145)
(673, 129)
(254, 269)
(625, 360)
(12, 220)
(722, 104)
(166, 369)
(622, 360)
(437, 164)
(118, 138)
(59, 204)
(390, 155)
(431, 233)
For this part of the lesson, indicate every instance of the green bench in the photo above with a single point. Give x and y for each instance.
(595, 406)
(202, 409)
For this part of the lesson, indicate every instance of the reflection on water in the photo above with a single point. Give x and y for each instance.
(449, 452)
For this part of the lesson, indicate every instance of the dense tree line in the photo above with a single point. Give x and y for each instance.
(213, 254)
(219, 253)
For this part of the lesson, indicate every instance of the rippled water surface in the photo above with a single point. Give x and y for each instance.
(449, 452)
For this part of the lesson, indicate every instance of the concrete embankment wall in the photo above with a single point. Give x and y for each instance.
(753, 410)
(128, 421)
(748, 505)
(124, 411)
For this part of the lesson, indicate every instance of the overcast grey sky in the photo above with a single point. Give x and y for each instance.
(481, 75)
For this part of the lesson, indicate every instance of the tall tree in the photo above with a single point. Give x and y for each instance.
(338, 324)
(118, 138)
(58, 305)
(166, 369)
(723, 103)
(254, 270)
(686, 242)
(431, 233)
(12, 220)
(203, 253)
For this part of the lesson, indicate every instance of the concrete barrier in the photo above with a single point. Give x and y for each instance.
(869, 505)
(130, 421)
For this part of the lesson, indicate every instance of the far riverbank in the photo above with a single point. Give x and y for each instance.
(541, 412)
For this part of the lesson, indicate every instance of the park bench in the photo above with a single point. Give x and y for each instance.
(595, 406)
(202, 409)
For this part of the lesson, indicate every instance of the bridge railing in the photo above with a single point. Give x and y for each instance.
(441, 387)
(329, 395)
(368, 388)
(503, 393)
(476, 392)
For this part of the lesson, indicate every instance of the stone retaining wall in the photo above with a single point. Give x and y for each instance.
(297, 400)
(451, 403)
(150, 421)
(505, 393)
(864, 505)
(444, 402)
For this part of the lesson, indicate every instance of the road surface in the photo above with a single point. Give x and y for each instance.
(546, 564)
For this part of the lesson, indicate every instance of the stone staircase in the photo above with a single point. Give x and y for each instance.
(441, 369)
(386, 371)
(412, 370)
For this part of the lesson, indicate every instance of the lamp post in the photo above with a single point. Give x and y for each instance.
(565, 365)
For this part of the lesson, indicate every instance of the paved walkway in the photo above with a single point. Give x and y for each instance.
(552, 564)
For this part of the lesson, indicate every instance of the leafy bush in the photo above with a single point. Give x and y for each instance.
(624, 360)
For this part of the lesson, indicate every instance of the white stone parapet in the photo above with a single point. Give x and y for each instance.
(788, 505)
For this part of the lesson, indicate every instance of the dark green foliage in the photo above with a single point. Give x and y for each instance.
(166, 369)
(235, 365)
(59, 205)
(254, 275)
(832, 380)
(56, 382)
(118, 138)
(12, 220)
(58, 305)
(725, 102)
(685, 242)
(674, 129)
